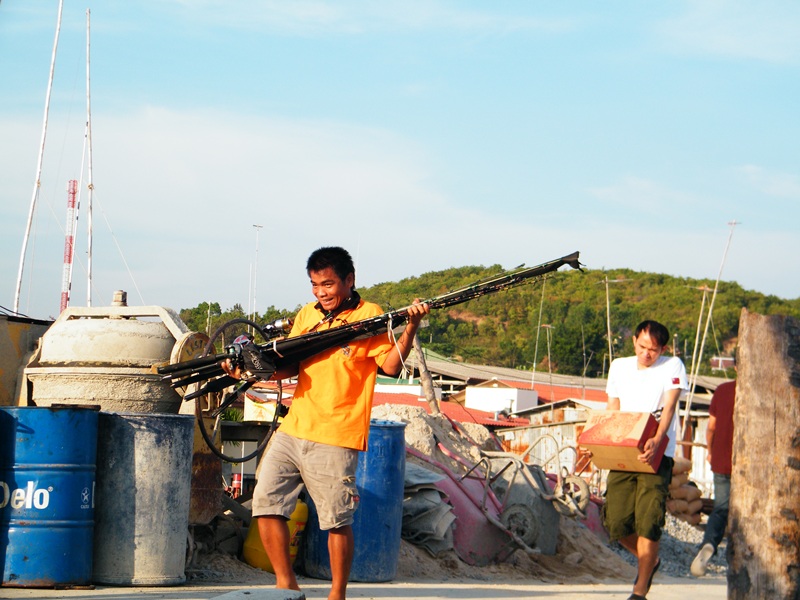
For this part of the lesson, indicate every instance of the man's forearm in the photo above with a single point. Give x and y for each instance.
(394, 362)
(668, 412)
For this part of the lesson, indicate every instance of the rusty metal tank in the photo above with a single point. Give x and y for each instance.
(19, 337)
(106, 356)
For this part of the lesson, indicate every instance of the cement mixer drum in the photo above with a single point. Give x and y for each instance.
(106, 356)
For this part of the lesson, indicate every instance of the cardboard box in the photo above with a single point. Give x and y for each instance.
(616, 439)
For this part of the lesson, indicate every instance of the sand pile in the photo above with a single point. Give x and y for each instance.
(580, 555)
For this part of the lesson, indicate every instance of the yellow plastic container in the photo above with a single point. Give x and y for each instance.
(254, 553)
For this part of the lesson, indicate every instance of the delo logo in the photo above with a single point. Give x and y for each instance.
(87, 498)
(28, 497)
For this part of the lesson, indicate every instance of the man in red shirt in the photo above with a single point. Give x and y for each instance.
(719, 439)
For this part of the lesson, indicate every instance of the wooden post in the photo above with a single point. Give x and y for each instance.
(425, 378)
(764, 519)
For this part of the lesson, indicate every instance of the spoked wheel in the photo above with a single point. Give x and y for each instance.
(572, 496)
(209, 437)
(521, 520)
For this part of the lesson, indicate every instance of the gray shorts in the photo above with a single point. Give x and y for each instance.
(328, 474)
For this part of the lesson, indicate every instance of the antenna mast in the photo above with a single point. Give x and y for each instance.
(696, 370)
(69, 243)
(91, 181)
(37, 184)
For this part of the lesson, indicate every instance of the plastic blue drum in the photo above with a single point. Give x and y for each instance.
(47, 480)
(378, 521)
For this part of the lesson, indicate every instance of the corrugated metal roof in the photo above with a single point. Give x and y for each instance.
(472, 374)
(453, 410)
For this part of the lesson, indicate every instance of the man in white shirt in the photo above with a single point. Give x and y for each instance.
(636, 502)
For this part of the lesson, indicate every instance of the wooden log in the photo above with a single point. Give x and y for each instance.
(764, 519)
(425, 377)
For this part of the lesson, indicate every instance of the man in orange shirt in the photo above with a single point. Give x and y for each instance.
(318, 442)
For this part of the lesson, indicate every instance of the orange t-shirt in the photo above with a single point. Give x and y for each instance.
(332, 402)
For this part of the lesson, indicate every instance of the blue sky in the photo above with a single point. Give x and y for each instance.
(419, 135)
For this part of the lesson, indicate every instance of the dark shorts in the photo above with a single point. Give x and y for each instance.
(637, 502)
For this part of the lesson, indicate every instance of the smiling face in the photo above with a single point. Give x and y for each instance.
(647, 350)
(329, 289)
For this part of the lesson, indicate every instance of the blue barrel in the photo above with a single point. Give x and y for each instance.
(47, 479)
(378, 521)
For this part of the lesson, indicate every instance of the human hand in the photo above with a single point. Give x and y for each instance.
(231, 369)
(417, 311)
(251, 366)
(649, 450)
(255, 364)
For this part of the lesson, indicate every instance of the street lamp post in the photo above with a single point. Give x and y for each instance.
(255, 273)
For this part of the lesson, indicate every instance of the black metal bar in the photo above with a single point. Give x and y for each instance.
(290, 351)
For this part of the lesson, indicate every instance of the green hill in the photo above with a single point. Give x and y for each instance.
(501, 329)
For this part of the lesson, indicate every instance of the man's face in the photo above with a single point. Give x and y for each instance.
(647, 350)
(329, 289)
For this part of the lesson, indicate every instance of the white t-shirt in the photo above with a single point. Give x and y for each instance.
(642, 390)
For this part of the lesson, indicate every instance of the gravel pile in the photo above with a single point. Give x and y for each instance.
(679, 545)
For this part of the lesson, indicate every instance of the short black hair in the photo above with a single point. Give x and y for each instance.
(657, 332)
(332, 257)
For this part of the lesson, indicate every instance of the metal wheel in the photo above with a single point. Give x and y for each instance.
(572, 496)
(209, 437)
(521, 520)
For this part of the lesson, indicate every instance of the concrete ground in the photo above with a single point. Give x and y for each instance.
(664, 588)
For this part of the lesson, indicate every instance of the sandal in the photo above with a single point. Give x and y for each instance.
(649, 581)
(655, 568)
(636, 597)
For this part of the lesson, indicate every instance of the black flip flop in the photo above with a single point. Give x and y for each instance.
(650, 581)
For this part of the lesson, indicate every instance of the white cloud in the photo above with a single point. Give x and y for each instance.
(642, 196)
(772, 183)
(764, 31)
(182, 191)
(312, 17)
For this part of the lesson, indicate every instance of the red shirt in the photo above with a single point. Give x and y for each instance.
(722, 444)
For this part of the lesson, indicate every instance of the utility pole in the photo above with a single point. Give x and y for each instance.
(548, 329)
(696, 365)
(538, 329)
(608, 316)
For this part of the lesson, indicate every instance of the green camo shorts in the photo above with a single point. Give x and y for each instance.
(637, 502)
